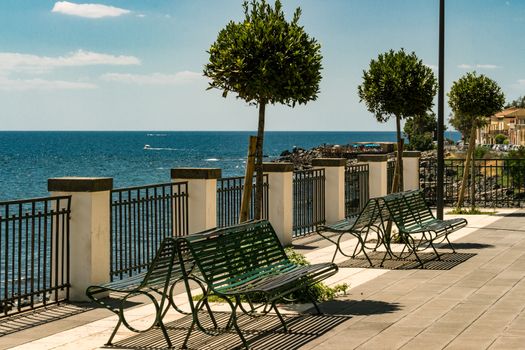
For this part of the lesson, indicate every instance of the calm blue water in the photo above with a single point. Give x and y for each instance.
(28, 159)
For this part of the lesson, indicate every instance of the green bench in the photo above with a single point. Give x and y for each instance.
(359, 226)
(244, 261)
(418, 228)
(156, 284)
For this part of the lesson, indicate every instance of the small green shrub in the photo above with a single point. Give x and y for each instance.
(475, 211)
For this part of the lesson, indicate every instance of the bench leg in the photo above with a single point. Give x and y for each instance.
(314, 302)
(110, 340)
(283, 322)
(233, 319)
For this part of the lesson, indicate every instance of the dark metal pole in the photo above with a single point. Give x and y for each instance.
(441, 119)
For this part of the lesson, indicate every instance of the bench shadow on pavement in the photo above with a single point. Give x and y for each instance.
(263, 332)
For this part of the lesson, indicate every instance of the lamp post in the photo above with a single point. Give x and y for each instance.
(441, 119)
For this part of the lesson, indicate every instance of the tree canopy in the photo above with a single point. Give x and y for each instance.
(420, 131)
(265, 58)
(398, 84)
(473, 99)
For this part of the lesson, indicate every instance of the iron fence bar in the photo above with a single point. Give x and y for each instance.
(229, 198)
(141, 216)
(32, 265)
(498, 182)
(308, 200)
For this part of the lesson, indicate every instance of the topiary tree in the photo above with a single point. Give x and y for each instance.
(265, 60)
(500, 138)
(397, 85)
(420, 131)
(473, 99)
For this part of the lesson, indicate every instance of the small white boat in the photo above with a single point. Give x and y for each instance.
(147, 146)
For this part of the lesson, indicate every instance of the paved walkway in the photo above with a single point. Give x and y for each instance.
(478, 304)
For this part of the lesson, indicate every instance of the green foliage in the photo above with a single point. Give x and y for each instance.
(474, 98)
(265, 58)
(420, 132)
(296, 258)
(518, 103)
(397, 84)
(471, 211)
(516, 166)
(480, 152)
(500, 138)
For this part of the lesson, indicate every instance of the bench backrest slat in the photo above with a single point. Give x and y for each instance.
(369, 215)
(226, 255)
(408, 209)
(162, 264)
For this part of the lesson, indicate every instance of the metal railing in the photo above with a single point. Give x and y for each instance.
(308, 201)
(498, 182)
(229, 197)
(34, 253)
(140, 218)
(356, 188)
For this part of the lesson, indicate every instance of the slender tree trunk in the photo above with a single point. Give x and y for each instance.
(466, 168)
(473, 181)
(259, 159)
(398, 170)
(248, 180)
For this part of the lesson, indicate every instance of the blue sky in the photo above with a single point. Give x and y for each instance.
(137, 65)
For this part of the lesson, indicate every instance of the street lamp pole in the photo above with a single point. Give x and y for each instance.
(441, 119)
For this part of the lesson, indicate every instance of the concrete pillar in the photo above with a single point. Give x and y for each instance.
(202, 196)
(411, 170)
(280, 199)
(334, 187)
(89, 230)
(377, 173)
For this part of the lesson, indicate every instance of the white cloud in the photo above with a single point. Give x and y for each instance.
(88, 10)
(10, 61)
(478, 66)
(41, 84)
(487, 66)
(154, 78)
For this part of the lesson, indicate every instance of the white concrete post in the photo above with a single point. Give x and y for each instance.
(89, 230)
(377, 173)
(411, 170)
(334, 170)
(280, 199)
(202, 196)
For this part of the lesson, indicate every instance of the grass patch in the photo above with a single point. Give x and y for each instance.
(320, 291)
(475, 211)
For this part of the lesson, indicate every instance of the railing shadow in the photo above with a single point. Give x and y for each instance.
(40, 316)
(263, 332)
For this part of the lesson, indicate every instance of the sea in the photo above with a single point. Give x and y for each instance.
(135, 158)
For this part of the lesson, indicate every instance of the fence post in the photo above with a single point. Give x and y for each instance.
(202, 196)
(334, 187)
(89, 241)
(280, 199)
(411, 170)
(377, 173)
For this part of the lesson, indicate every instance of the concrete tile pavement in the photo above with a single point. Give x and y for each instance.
(482, 298)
